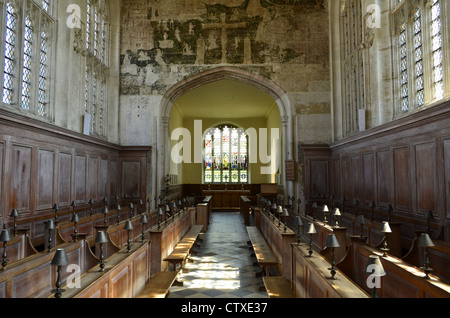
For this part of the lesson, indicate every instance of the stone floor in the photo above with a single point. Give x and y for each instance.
(223, 266)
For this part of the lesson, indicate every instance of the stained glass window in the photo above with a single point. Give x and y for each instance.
(27, 61)
(10, 40)
(225, 155)
(437, 54)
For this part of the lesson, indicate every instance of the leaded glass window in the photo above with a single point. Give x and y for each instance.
(437, 53)
(9, 55)
(225, 155)
(418, 59)
(43, 70)
(403, 54)
(27, 62)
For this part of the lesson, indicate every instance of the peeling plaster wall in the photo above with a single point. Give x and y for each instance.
(166, 41)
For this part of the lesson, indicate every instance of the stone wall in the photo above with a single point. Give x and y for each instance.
(164, 42)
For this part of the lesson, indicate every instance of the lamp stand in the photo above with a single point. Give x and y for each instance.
(58, 292)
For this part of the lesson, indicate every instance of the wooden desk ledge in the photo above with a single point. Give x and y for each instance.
(278, 287)
(159, 285)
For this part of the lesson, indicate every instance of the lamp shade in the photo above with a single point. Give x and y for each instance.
(337, 212)
(75, 218)
(274, 206)
(128, 225)
(428, 214)
(311, 229)
(56, 206)
(325, 208)
(60, 258)
(371, 204)
(314, 205)
(50, 225)
(5, 236)
(385, 228)
(144, 219)
(74, 204)
(101, 237)
(332, 241)
(91, 201)
(374, 266)
(131, 205)
(180, 203)
(361, 219)
(285, 212)
(425, 240)
(167, 208)
(105, 210)
(160, 211)
(14, 213)
(280, 209)
(140, 202)
(298, 221)
(119, 208)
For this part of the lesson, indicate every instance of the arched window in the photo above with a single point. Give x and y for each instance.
(225, 155)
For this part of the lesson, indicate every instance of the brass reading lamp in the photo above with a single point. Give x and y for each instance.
(5, 237)
(279, 212)
(425, 242)
(50, 226)
(56, 208)
(128, 227)
(299, 223)
(337, 215)
(14, 214)
(75, 220)
(311, 231)
(325, 211)
(285, 215)
(91, 203)
(361, 221)
(59, 260)
(105, 212)
(144, 221)
(101, 239)
(375, 269)
(119, 209)
(131, 210)
(385, 229)
(332, 243)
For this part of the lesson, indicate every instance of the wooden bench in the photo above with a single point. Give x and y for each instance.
(159, 285)
(183, 249)
(263, 253)
(278, 287)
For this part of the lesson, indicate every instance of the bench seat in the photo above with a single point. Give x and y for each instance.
(159, 285)
(183, 249)
(278, 287)
(263, 253)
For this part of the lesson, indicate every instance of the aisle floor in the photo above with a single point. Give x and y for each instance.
(223, 266)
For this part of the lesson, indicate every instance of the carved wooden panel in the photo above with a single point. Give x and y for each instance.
(383, 177)
(65, 179)
(346, 177)
(121, 284)
(446, 150)
(426, 177)
(131, 172)
(93, 178)
(80, 178)
(103, 179)
(45, 176)
(356, 177)
(114, 178)
(21, 178)
(368, 177)
(402, 181)
(319, 177)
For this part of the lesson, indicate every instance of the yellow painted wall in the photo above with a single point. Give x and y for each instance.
(191, 173)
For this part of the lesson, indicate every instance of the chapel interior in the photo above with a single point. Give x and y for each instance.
(307, 141)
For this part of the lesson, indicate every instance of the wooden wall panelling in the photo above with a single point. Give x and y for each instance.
(80, 178)
(92, 179)
(384, 173)
(356, 177)
(402, 179)
(445, 215)
(368, 176)
(21, 168)
(45, 182)
(64, 179)
(426, 177)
